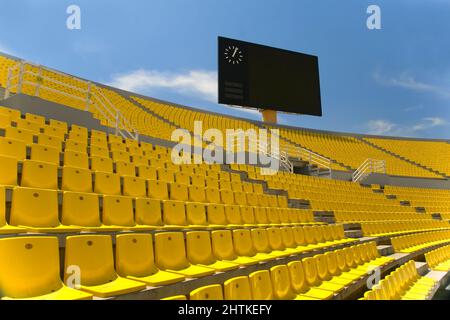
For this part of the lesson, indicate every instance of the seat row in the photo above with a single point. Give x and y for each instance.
(46, 176)
(346, 216)
(30, 268)
(387, 228)
(404, 283)
(315, 278)
(38, 210)
(439, 259)
(415, 242)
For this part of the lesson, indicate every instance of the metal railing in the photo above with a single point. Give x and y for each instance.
(261, 147)
(367, 167)
(323, 164)
(32, 79)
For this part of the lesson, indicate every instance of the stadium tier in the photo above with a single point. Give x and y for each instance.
(86, 213)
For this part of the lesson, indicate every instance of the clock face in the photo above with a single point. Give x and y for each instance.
(233, 54)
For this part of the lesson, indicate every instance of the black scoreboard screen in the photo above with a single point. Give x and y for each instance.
(257, 76)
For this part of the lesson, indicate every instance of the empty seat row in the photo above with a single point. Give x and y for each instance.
(38, 210)
(415, 242)
(315, 278)
(395, 227)
(403, 284)
(439, 259)
(93, 255)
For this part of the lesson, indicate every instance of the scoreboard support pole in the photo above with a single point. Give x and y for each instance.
(269, 116)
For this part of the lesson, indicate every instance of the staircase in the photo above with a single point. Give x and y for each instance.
(401, 157)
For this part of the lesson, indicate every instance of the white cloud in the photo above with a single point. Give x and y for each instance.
(380, 126)
(199, 83)
(409, 82)
(385, 127)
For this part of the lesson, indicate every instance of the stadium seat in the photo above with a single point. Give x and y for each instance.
(223, 250)
(199, 252)
(29, 269)
(37, 210)
(8, 174)
(158, 190)
(13, 148)
(45, 153)
(107, 183)
(243, 246)
(101, 164)
(76, 179)
(76, 159)
(211, 292)
(237, 289)
(135, 260)
(134, 187)
(170, 255)
(93, 254)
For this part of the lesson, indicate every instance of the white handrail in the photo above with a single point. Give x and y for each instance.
(265, 148)
(367, 167)
(92, 96)
(313, 158)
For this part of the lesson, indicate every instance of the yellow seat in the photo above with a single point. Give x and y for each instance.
(147, 172)
(243, 246)
(8, 173)
(29, 269)
(26, 136)
(199, 252)
(4, 227)
(120, 156)
(178, 192)
(196, 193)
(13, 148)
(261, 243)
(237, 289)
(226, 196)
(76, 179)
(211, 292)
(77, 146)
(76, 159)
(170, 255)
(157, 190)
(81, 210)
(101, 164)
(281, 283)
(233, 215)
(125, 169)
(118, 212)
(196, 215)
(174, 214)
(107, 183)
(12, 113)
(37, 174)
(223, 250)
(261, 285)
(300, 285)
(148, 213)
(45, 154)
(134, 187)
(248, 216)
(135, 260)
(37, 210)
(93, 255)
(216, 215)
(49, 141)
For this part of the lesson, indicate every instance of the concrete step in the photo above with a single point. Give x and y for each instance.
(385, 250)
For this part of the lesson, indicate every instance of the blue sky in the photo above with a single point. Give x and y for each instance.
(393, 81)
